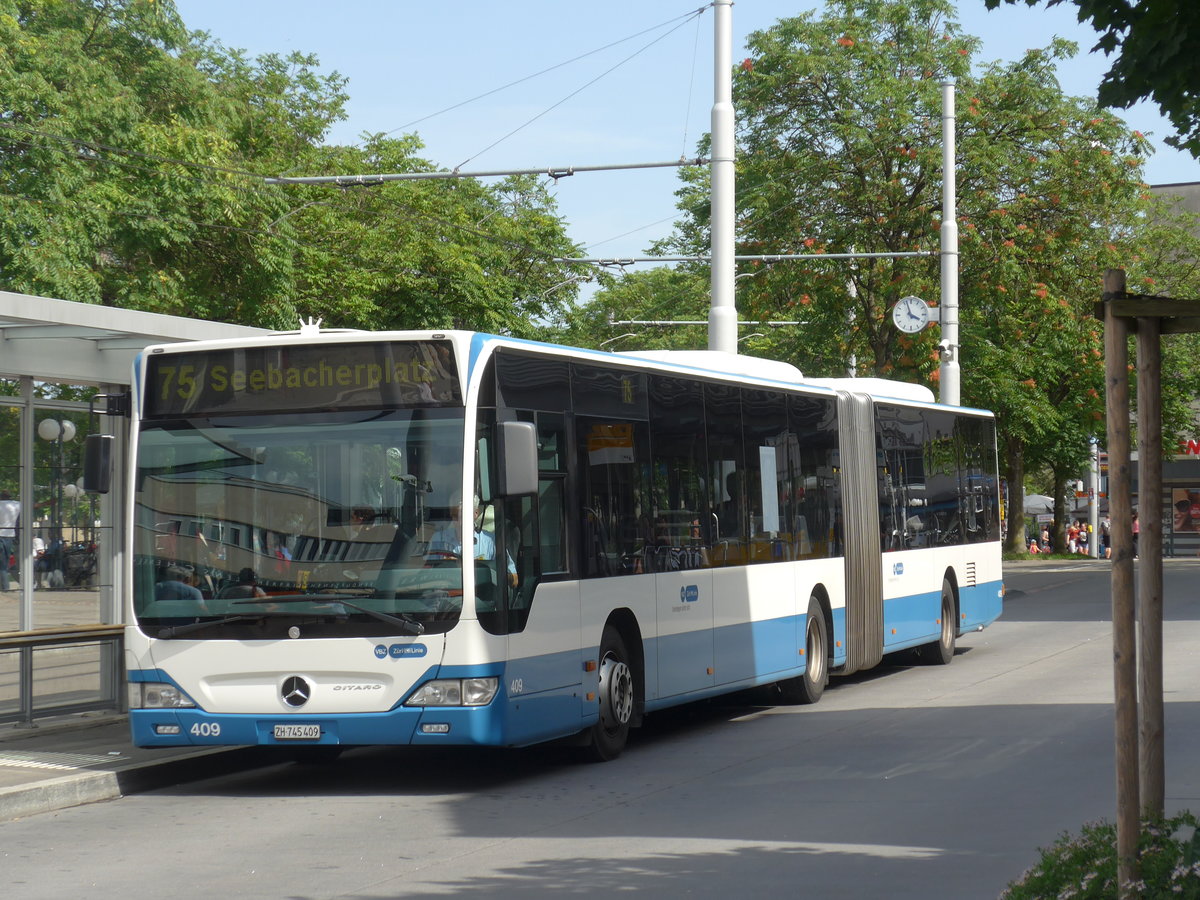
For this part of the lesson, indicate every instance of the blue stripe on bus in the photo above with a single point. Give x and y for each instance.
(980, 605)
(914, 618)
(746, 655)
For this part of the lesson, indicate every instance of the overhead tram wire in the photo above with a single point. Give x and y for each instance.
(687, 116)
(550, 171)
(694, 14)
(574, 93)
(755, 257)
(682, 20)
(617, 237)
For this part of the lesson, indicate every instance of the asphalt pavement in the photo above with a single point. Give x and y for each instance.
(88, 758)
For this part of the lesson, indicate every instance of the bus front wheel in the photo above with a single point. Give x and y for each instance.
(807, 688)
(617, 696)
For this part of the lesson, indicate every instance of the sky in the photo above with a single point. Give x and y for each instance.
(646, 98)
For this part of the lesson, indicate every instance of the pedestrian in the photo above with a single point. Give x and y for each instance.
(41, 565)
(1136, 531)
(10, 515)
(1106, 537)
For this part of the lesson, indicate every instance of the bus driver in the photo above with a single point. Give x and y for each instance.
(449, 539)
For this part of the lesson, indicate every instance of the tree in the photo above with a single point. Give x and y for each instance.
(660, 294)
(127, 147)
(132, 163)
(1158, 44)
(422, 254)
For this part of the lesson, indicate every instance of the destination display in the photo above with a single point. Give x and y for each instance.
(299, 377)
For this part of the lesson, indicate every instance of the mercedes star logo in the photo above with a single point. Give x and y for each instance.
(295, 691)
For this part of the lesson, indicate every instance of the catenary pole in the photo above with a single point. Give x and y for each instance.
(948, 379)
(722, 313)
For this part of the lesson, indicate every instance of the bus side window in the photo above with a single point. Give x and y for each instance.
(552, 491)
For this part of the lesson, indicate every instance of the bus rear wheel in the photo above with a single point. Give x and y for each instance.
(941, 651)
(809, 687)
(617, 696)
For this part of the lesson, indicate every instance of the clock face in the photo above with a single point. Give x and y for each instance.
(910, 314)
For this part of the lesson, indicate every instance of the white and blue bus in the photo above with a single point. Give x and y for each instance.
(649, 530)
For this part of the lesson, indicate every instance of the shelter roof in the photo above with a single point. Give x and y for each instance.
(85, 343)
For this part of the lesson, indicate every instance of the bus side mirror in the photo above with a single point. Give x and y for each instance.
(97, 463)
(518, 459)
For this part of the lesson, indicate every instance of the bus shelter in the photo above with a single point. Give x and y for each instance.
(60, 577)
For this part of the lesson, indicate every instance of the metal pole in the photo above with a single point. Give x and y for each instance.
(722, 314)
(1116, 377)
(949, 376)
(1094, 500)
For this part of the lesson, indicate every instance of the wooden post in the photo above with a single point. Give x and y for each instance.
(1116, 376)
(1149, 569)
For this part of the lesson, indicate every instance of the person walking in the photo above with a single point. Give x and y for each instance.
(10, 515)
(1137, 529)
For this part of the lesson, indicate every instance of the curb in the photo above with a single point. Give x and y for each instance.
(57, 793)
(79, 788)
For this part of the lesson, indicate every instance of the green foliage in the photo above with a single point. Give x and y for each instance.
(132, 164)
(428, 254)
(659, 294)
(122, 180)
(1085, 866)
(1156, 44)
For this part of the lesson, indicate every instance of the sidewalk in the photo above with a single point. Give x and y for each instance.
(88, 758)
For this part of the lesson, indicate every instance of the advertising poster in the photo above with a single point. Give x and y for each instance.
(1185, 513)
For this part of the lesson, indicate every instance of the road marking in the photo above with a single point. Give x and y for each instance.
(63, 762)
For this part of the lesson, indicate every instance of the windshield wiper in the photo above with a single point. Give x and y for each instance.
(409, 624)
(175, 630)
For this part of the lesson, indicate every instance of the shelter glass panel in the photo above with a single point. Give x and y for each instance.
(10, 507)
(63, 563)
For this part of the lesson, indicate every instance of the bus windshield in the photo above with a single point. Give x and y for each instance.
(306, 524)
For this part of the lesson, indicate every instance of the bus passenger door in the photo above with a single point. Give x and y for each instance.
(536, 605)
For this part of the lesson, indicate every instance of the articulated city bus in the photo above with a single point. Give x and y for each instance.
(448, 538)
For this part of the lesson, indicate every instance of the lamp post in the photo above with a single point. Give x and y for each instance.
(56, 432)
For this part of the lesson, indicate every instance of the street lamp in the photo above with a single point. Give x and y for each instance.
(56, 432)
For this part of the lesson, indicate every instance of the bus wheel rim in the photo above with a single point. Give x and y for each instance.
(815, 650)
(616, 692)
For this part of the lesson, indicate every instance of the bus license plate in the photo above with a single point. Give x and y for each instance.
(297, 732)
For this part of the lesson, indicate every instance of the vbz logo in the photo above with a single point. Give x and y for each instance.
(898, 568)
(689, 594)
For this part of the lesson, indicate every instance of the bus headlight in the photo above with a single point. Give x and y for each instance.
(455, 692)
(156, 695)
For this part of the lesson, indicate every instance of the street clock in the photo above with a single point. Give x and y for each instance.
(910, 314)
